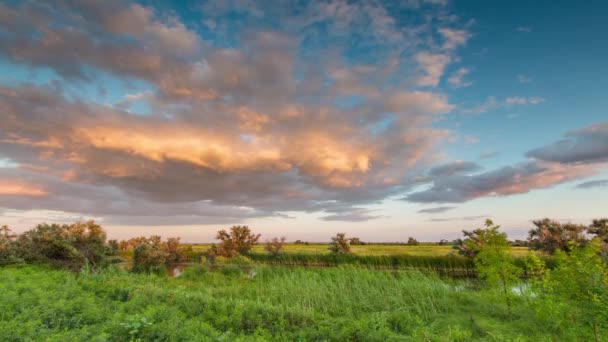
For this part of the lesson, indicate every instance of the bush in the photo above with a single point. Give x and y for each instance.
(72, 246)
(412, 242)
(339, 244)
(7, 246)
(153, 255)
(550, 236)
(240, 240)
(275, 246)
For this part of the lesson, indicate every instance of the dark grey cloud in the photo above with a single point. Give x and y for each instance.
(587, 145)
(435, 210)
(602, 183)
(509, 180)
(457, 167)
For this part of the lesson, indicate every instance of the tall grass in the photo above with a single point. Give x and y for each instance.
(345, 303)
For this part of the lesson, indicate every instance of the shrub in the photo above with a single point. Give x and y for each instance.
(495, 263)
(239, 240)
(71, 246)
(275, 246)
(339, 244)
(412, 242)
(599, 228)
(550, 236)
(7, 246)
(356, 242)
(475, 240)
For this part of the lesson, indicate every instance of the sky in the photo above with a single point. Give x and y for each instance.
(380, 119)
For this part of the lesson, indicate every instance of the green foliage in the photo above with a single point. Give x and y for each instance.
(495, 263)
(239, 240)
(576, 291)
(279, 304)
(475, 240)
(550, 236)
(8, 253)
(71, 246)
(155, 255)
(599, 229)
(339, 244)
(274, 247)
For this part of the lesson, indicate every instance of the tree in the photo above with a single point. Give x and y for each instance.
(339, 244)
(576, 290)
(356, 241)
(72, 246)
(443, 242)
(240, 240)
(274, 247)
(599, 228)
(550, 236)
(7, 246)
(412, 241)
(475, 240)
(149, 255)
(89, 239)
(495, 263)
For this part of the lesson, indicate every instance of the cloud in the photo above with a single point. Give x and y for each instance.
(463, 218)
(489, 154)
(493, 103)
(436, 210)
(524, 29)
(453, 168)
(454, 38)
(457, 78)
(524, 78)
(458, 187)
(587, 145)
(523, 100)
(233, 132)
(433, 65)
(352, 215)
(602, 183)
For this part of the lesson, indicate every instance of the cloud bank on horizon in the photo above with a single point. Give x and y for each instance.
(231, 111)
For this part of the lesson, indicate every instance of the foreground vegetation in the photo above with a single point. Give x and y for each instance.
(59, 283)
(285, 304)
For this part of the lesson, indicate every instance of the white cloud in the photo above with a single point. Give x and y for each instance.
(457, 78)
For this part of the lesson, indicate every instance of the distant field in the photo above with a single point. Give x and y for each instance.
(371, 249)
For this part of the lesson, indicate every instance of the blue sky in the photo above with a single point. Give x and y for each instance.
(303, 119)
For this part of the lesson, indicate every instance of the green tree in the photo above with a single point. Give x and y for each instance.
(475, 240)
(575, 293)
(599, 228)
(7, 246)
(149, 255)
(239, 240)
(339, 244)
(550, 236)
(495, 263)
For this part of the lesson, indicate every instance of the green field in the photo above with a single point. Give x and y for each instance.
(370, 249)
(262, 304)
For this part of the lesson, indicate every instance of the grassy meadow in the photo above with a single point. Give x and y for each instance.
(260, 304)
(69, 283)
(423, 249)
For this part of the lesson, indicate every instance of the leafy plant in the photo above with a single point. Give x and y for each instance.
(239, 240)
(495, 263)
(339, 244)
(550, 236)
(274, 247)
